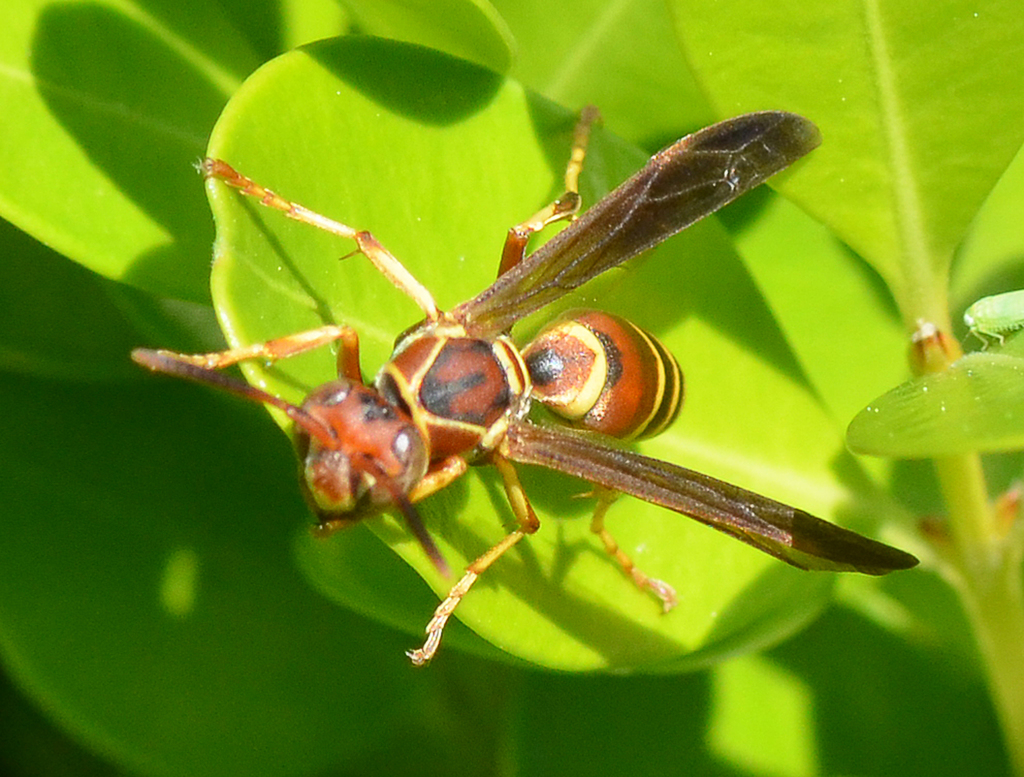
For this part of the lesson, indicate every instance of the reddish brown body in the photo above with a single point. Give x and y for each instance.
(603, 373)
(595, 369)
(462, 392)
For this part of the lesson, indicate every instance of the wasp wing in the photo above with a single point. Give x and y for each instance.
(796, 537)
(679, 185)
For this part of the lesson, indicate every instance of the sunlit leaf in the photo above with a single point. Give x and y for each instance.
(976, 405)
(622, 57)
(107, 106)
(919, 108)
(990, 261)
(468, 29)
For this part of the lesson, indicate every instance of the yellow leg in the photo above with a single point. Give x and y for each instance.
(440, 475)
(435, 628)
(565, 207)
(528, 524)
(270, 351)
(366, 243)
(661, 589)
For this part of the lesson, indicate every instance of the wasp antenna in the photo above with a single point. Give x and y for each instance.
(411, 515)
(170, 364)
(419, 531)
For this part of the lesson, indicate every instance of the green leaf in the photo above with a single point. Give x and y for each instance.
(109, 491)
(975, 405)
(468, 29)
(76, 325)
(989, 261)
(829, 702)
(43, 334)
(918, 106)
(622, 57)
(96, 151)
(438, 158)
(272, 28)
(835, 314)
(148, 601)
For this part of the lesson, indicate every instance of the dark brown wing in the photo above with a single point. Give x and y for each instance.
(679, 185)
(796, 537)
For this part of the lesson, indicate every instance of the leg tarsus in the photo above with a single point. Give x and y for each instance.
(665, 592)
(435, 628)
(527, 524)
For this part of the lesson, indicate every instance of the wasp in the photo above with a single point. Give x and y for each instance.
(457, 390)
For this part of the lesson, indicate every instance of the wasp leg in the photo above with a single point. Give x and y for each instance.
(348, 356)
(366, 244)
(528, 524)
(440, 475)
(281, 348)
(659, 588)
(565, 207)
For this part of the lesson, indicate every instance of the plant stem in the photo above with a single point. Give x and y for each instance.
(988, 564)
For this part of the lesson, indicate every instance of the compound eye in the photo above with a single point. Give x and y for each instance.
(330, 394)
(410, 451)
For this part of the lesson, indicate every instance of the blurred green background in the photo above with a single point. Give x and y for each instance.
(160, 613)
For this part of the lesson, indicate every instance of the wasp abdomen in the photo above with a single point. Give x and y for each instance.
(601, 372)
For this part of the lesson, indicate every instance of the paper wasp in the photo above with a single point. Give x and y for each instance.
(456, 390)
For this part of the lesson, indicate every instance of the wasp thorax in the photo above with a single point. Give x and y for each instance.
(360, 453)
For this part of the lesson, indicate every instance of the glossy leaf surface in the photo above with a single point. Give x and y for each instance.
(586, 52)
(894, 183)
(270, 680)
(976, 405)
(120, 132)
(149, 622)
(468, 29)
